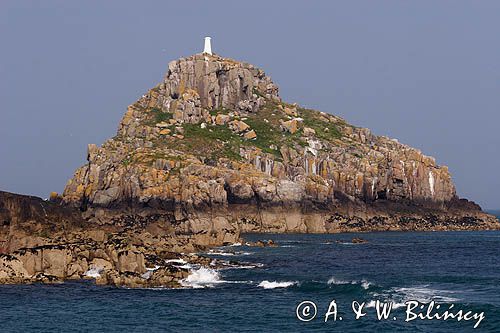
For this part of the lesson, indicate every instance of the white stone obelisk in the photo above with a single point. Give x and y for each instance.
(208, 46)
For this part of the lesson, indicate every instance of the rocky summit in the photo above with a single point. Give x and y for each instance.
(209, 153)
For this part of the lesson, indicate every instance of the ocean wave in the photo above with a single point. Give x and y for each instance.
(293, 241)
(363, 283)
(202, 277)
(395, 305)
(246, 266)
(235, 265)
(423, 294)
(94, 271)
(275, 284)
(222, 253)
(180, 263)
(176, 261)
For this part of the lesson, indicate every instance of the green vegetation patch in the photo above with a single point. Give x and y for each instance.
(324, 130)
(257, 92)
(213, 141)
(267, 125)
(221, 110)
(160, 116)
(218, 141)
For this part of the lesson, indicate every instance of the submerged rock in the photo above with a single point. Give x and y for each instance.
(357, 240)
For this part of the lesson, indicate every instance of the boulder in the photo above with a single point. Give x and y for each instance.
(291, 126)
(130, 261)
(162, 124)
(250, 135)
(238, 126)
(165, 131)
(292, 112)
(309, 131)
(222, 119)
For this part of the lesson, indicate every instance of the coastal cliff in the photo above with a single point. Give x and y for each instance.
(209, 153)
(214, 138)
(216, 119)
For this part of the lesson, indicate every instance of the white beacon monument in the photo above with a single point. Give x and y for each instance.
(208, 46)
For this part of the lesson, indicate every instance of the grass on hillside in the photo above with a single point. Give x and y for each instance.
(218, 141)
(160, 116)
(324, 130)
(213, 141)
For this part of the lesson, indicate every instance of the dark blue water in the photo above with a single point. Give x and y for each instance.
(462, 268)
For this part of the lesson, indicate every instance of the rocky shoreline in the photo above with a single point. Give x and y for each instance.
(47, 242)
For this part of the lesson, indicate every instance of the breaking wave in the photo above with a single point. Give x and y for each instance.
(202, 278)
(176, 261)
(222, 253)
(422, 294)
(363, 283)
(94, 272)
(275, 284)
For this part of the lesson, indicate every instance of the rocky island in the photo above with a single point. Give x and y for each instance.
(209, 153)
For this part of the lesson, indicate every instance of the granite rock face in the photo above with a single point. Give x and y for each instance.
(217, 83)
(214, 122)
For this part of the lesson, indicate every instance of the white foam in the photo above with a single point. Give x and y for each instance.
(149, 271)
(221, 253)
(152, 269)
(228, 254)
(246, 265)
(176, 261)
(201, 278)
(275, 284)
(395, 305)
(423, 294)
(334, 280)
(364, 283)
(94, 271)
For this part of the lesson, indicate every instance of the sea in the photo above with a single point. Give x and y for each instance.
(317, 283)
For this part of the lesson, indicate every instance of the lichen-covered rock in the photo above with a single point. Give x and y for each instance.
(250, 135)
(219, 82)
(230, 123)
(291, 126)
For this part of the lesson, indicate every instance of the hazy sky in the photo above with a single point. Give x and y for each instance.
(424, 72)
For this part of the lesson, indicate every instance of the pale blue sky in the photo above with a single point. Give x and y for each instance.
(424, 72)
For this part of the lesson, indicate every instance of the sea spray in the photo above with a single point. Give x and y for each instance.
(363, 283)
(94, 271)
(202, 277)
(275, 284)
